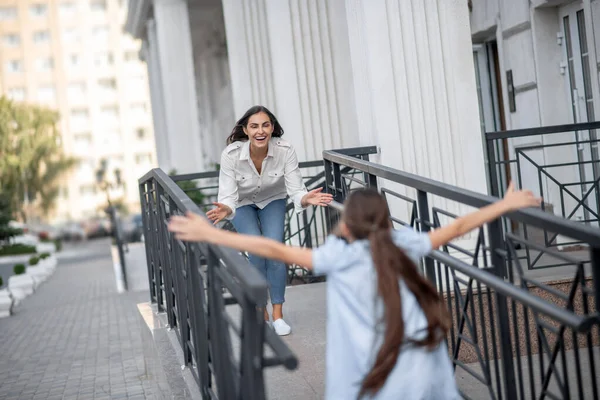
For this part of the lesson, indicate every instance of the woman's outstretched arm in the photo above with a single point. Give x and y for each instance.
(195, 228)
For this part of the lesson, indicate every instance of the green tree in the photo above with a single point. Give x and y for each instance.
(190, 188)
(32, 159)
(6, 215)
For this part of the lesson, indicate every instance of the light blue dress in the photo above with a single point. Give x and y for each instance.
(354, 333)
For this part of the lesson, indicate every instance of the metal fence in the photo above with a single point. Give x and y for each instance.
(562, 163)
(307, 229)
(514, 335)
(210, 295)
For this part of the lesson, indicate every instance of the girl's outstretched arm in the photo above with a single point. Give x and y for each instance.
(195, 228)
(513, 200)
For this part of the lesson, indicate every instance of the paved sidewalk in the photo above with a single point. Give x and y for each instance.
(76, 337)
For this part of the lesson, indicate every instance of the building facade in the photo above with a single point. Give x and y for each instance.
(339, 73)
(73, 56)
(538, 64)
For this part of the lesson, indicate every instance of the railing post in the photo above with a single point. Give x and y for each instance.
(499, 269)
(423, 206)
(144, 199)
(492, 171)
(595, 263)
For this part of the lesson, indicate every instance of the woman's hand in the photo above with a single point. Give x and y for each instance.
(219, 213)
(316, 198)
(515, 200)
(191, 228)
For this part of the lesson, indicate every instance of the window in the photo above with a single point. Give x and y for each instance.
(131, 56)
(38, 10)
(66, 9)
(76, 91)
(100, 34)
(103, 59)
(46, 94)
(82, 142)
(108, 87)
(11, 40)
(143, 158)
(16, 94)
(8, 13)
(80, 117)
(98, 5)
(45, 64)
(41, 37)
(140, 133)
(73, 61)
(14, 66)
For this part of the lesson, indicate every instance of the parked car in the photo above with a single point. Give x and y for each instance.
(97, 227)
(73, 231)
(133, 229)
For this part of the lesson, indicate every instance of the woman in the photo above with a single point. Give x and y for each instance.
(258, 171)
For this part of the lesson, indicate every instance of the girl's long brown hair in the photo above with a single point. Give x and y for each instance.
(366, 215)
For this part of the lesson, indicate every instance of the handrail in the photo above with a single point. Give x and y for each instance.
(195, 303)
(585, 126)
(579, 323)
(533, 217)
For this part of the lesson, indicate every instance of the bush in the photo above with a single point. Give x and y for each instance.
(58, 244)
(34, 261)
(19, 269)
(43, 256)
(1, 282)
(16, 249)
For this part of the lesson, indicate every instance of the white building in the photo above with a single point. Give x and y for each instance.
(550, 49)
(397, 74)
(73, 56)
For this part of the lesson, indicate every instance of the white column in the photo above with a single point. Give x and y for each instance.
(293, 57)
(178, 85)
(414, 83)
(150, 54)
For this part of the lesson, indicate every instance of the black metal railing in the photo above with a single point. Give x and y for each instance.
(211, 298)
(514, 335)
(563, 166)
(307, 229)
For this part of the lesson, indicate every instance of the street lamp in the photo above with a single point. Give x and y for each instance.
(112, 211)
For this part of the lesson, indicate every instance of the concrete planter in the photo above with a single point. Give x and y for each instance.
(21, 286)
(6, 303)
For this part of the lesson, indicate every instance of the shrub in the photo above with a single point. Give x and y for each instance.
(16, 249)
(34, 261)
(1, 282)
(43, 256)
(58, 244)
(19, 269)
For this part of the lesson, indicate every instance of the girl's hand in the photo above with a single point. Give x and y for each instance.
(515, 200)
(316, 198)
(219, 213)
(191, 228)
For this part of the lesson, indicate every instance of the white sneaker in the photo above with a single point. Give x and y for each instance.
(281, 328)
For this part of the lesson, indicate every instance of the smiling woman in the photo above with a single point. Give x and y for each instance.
(259, 170)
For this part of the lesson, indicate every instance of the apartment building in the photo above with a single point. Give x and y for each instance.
(73, 56)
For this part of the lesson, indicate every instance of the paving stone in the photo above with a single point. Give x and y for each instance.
(75, 334)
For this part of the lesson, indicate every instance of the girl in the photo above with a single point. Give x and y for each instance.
(258, 171)
(386, 323)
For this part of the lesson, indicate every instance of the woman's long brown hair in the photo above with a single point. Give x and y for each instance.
(366, 215)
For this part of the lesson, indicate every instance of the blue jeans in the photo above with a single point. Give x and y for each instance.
(268, 222)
